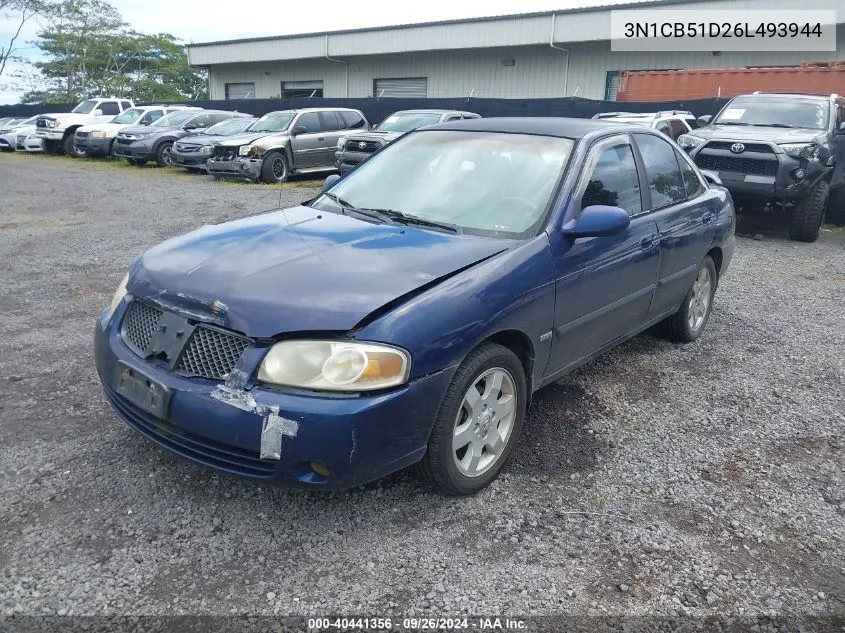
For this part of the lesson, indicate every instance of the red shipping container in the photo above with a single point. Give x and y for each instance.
(678, 85)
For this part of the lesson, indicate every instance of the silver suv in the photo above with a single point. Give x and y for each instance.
(672, 123)
(285, 142)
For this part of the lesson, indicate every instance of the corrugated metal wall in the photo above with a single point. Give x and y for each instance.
(537, 71)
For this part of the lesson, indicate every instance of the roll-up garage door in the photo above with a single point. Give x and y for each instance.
(408, 88)
(240, 91)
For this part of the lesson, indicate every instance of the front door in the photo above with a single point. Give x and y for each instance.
(604, 285)
(309, 143)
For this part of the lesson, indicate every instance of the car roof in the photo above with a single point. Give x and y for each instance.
(546, 126)
(432, 111)
(800, 95)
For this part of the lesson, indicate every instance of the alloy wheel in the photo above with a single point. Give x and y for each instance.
(699, 303)
(484, 423)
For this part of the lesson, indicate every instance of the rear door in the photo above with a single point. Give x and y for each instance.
(309, 144)
(684, 214)
(604, 285)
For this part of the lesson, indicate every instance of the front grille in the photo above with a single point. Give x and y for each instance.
(751, 166)
(186, 148)
(82, 134)
(368, 146)
(197, 448)
(211, 353)
(225, 153)
(763, 148)
(139, 324)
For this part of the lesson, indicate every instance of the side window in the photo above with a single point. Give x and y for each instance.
(311, 122)
(216, 118)
(151, 115)
(663, 126)
(662, 171)
(126, 105)
(453, 117)
(692, 184)
(840, 115)
(331, 121)
(200, 121)
(678, 128)
(353, 119)
(110, 107)
(614, 181)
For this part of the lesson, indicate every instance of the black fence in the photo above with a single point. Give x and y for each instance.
(377, 110)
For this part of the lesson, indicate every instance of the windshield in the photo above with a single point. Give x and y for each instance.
(85, 107)
(772, 111)
(483, 183)
(273, 122)
(229, 127)
(129, 116)
(407, 121)
(174, 119)
(30, 121)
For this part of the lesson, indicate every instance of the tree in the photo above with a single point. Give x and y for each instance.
(17, 13)
(89, 51)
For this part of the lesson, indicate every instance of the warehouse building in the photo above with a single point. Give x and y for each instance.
(526, 56)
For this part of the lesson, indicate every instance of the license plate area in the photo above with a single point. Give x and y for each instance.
(141, 390)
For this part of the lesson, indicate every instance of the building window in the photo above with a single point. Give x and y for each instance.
(240, 91)
(406, 88)
(302, 89)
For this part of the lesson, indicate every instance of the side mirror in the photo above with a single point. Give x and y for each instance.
(298, 129)
(711, 176)
(190, 126)
(328, 183)
(704, 119)
(97, 112)
(598, 220)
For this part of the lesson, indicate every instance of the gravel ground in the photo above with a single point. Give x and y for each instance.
(704, 479)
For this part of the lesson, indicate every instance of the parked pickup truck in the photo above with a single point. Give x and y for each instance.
(57, 129)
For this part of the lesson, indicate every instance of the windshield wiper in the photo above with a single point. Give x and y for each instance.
(343, 204)
(731, 123)
(773, 125)
(404, 218)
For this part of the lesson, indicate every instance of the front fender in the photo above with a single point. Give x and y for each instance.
(513, 291)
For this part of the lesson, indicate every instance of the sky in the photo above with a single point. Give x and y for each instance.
(211, 20)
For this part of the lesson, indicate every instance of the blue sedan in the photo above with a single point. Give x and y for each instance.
(408, 313)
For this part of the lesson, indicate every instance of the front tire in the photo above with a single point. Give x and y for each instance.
(163, 157)
(274, 168)
(479, 422)
(836, 206)
(808, 214)
(70, 150)
(687, 324)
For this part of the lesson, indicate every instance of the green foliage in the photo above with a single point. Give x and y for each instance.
(89, 51)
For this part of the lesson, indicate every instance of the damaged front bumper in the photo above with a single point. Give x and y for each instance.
(241, 167)
(244, 429)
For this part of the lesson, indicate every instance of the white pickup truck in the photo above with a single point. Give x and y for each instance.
(57, 129)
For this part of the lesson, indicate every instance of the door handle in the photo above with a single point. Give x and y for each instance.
(649, 241)
(321, 138)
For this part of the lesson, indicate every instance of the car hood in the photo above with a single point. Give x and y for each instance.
(204, 139)
(757, 133)
(375, 136)
(146, 129)
(250, 137)
(300, 269)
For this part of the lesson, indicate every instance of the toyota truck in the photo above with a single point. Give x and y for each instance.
(57, 129)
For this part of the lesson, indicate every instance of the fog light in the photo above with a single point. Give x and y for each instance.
(799, 174)
(320, 469)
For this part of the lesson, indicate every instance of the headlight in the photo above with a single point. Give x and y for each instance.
(99, 134)
(335, 365)
(52, 124)
(243, 150)
(119, 294)
(205, 148)
(341, 142)
(688, 141)
(801, 150)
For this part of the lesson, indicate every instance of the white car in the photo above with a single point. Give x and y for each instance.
(96, 139)
(672, 123)
(8, 135)
(33, 143)
(57, 128)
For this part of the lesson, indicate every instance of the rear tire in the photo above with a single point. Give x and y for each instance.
(808, 214)
(274, 168)
(687, 324)
(490, 418)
